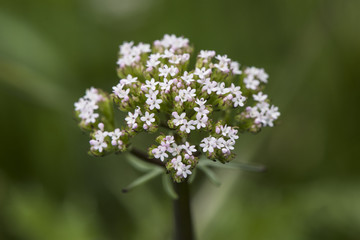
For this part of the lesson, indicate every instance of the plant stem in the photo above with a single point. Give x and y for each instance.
(143, 156)
(182, 213)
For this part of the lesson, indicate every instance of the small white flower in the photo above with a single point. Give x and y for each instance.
(187, 94)
(166, 84)
(235, 67)
(201, 121)
(208, 144)
(151, 84)
(239, 100)
(178, 119)
(251, 83)
(223, 58)
(188, 78)
(187, 126)
(148, 118)
(189, 149)
(160, 153)
(201, 110)
(128, 80)
(165, 71)
(183, 170)
(206, 54)
(260, 97)
(222, 66)
(221, 89)
(209, 86)
(200, 102)
(202, 73)
(120, 92)
(131, 118)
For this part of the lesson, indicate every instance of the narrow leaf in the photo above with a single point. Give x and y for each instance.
(168, 186)
(238, 165)
(140, 165)
(192, 176)
(143, 179)
(211, 175)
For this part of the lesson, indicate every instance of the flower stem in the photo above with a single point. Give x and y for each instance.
(143, 156)
(182, 213)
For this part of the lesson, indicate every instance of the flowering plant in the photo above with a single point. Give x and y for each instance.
(200, 110)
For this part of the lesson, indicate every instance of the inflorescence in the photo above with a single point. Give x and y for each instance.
(208, 105)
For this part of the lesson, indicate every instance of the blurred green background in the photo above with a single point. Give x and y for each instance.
(51, 51)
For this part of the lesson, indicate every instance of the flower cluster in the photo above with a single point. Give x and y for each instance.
(212, 102)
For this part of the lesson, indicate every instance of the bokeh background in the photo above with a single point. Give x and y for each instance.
(51, 51)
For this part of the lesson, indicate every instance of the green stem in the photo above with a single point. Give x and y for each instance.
(182, 213)
(143, 156)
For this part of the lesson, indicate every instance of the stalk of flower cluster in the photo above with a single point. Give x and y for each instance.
(183, 227)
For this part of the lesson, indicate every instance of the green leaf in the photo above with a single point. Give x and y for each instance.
(168, 186)
(192, 176)
(143, 179)
(141, 165)
(210, 174)
(237, 165)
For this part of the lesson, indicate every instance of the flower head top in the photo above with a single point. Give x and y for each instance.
(215, 100)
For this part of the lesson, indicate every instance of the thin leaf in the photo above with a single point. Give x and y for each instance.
(140, 165)
(143, 179)
(237, 165)
(192, 176)
(211, 175)
(168, 186)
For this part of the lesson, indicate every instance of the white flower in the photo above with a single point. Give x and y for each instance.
(160, 153)
(202, 73)
(153, 102)
(259, 73)
(219, 142)
(165, 71)
(178, 120)
(128, 80)
(209, 86)
(175, 59)
(251, 83)
(176, 162)
(200, 102)
(125, 48)
(206, 54)
(144, 47)
(151, 63)
(221, 89)
(187, 94)
(187, 126)
(115, 137)
(223, 58)
(151, 84)
(208, 144)
(93, 95)
(235, 67)
(222, 66)
(166, 84)
(239, 100)
(173, 42)
(260, 97)
(201, 121)
(189, 149)
(201, 110)
(131, 118)
(188, 78)
(183, 170)
(148, 118)
(99, 143)
(120, 92)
